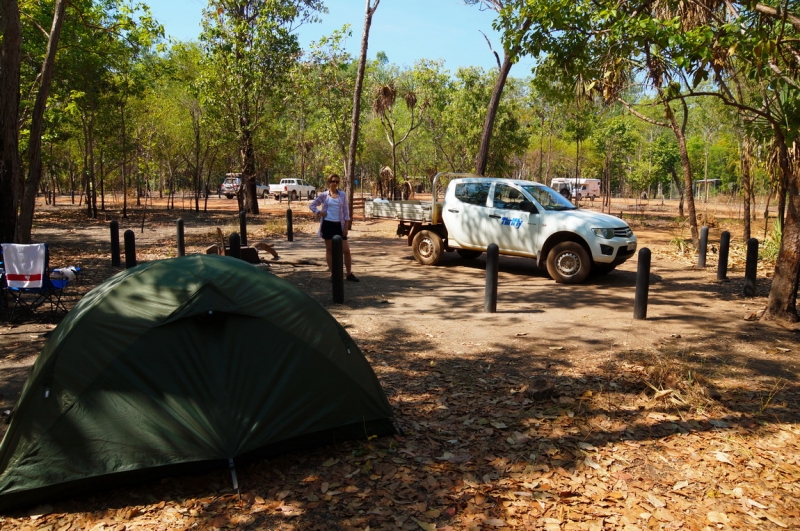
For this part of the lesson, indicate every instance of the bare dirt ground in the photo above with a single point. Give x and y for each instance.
(560, 411)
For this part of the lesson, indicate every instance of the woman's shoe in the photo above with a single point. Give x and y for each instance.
(351, 277)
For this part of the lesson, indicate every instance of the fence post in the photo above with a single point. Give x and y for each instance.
(724, 245)
(235, 246)
(701, 257)
(490, 292)
(337, 261)
(642, 285)
(130, 249)
(750, 268)
(181, 243)
(289, 228)
(115, 259)
(243, 227)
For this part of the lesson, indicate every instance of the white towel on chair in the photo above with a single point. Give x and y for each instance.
(24, 265)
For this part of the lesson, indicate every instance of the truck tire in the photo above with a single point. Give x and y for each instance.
(294, 195)
(277, 197)
(468, 254)
(313, 194)
(264, 194)
(229, 196)
(427, 247)
(568, 263)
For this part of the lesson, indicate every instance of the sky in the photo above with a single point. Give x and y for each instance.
(405, 30)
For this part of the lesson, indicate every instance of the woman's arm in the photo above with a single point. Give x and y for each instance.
(316, 203)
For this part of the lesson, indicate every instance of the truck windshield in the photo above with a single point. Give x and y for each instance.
(548, 198)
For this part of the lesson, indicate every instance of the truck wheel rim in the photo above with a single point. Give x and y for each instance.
(568, 264)
(426, 248)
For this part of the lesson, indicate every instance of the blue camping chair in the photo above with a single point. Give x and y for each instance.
(28, 282)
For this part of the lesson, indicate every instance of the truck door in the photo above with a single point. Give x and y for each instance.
(465, 212)
(509, 226)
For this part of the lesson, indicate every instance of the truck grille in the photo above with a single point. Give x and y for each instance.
(623, 233)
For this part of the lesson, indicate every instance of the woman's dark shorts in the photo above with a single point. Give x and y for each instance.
(331, 229)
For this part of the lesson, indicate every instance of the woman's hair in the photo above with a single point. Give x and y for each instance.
(333, 176)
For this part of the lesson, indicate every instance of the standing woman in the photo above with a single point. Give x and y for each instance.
(331, 209)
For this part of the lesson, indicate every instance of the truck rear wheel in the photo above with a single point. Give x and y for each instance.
(468, 254)
(312, 194)
(568, 263)
(427, 247)
(294, 195)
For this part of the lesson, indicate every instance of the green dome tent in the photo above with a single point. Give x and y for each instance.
(180, 365)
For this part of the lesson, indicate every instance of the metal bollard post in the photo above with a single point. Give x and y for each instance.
(724, 245)
(490, 292)
(289, 228)
(701, 258)
(642, 285)
(750, 268)
(130, 249)
(115, 260)
(337, 261)
(243, 227)
(235, 246)
(181, 242)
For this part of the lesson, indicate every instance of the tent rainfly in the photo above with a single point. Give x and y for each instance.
(182, 365)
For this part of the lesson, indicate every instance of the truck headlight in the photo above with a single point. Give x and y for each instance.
(604, 233)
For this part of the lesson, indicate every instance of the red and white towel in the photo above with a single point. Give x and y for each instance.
(24, 265)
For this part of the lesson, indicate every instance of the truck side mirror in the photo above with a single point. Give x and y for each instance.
(527, 206)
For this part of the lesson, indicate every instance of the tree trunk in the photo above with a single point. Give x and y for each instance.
(247, 190)
(748, 187)
(782, 303)
(482, 160)
(356, 119)
(687, 171)
(10, 163)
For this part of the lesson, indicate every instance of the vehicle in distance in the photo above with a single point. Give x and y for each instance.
(230, 186)
(292, 188)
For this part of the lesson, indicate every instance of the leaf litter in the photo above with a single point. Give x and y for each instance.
(637, 443)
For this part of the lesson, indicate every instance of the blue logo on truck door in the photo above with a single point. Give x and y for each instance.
(513, 222)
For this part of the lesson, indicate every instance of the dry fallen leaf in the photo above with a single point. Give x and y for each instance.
(657, 502)
(718, 518)
(496, 522)
(425, 525)
(723, 458)
(680, 485)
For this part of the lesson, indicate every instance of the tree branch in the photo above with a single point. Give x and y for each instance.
(640, 115)
(496, 56)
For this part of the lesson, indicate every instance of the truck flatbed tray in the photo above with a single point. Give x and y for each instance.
(411, 210)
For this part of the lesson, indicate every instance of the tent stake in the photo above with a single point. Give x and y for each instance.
(233, 477)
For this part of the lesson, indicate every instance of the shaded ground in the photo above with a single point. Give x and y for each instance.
(558, 412)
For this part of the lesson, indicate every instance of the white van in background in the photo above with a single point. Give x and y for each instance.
(586, 188)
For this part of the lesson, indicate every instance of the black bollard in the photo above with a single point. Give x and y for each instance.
(130, 249)
(181, 241)
(243, 227)
(235, 245)
(289, 228)
(750, 268)
(642, 285)
(115, 260)
(701, 258)
(490, 292)
(337, 261)
(724, 245)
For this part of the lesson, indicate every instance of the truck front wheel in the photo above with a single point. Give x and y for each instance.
(568, 263)
(427, 247)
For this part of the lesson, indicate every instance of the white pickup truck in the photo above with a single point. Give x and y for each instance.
(292, 188)
(523, 218)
